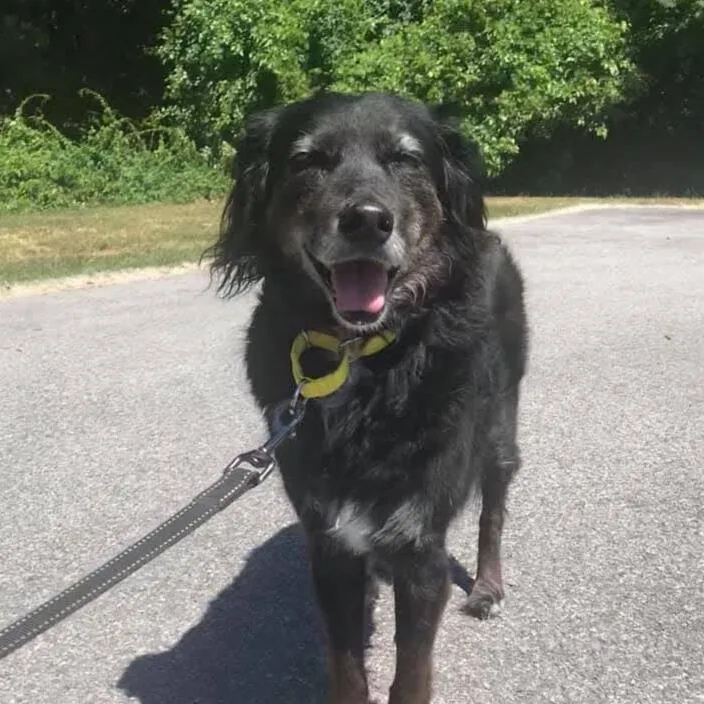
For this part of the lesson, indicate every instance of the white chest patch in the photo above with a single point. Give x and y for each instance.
(354, 527)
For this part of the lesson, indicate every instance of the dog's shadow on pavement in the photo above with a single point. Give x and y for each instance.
(261, 640)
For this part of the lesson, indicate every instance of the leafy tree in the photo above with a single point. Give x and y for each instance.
(505, 68)
(656, 139)
(667, 43)
(62, 46)
(227, 57)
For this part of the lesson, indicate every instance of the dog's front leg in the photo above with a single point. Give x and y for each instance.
(340, 583)
(421, 588)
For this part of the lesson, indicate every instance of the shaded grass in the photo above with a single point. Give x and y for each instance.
(63, 243)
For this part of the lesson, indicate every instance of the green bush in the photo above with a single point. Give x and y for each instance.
(508, 69)
(228, 57)
(111, 160)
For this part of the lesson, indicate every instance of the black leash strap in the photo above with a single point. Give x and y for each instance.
(242, 474)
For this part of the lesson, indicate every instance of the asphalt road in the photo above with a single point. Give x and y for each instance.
(118, 404)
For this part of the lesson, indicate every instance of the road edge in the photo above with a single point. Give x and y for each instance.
(122, 276)
(96, 280)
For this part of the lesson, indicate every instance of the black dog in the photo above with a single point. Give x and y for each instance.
(362, 214)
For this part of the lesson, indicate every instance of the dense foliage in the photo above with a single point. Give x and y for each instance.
(656, 139)
(505, 68)
(111, 160)
(537, 84)
(58, 47)
(667, 42)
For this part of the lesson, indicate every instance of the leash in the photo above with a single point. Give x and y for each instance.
(243, 473)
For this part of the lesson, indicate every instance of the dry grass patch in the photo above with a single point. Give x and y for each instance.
(65, 243)
(40, 245)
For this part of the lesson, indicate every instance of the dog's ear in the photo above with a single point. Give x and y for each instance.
(239, 251)
(462, 177)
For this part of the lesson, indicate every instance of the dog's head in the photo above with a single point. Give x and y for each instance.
(357, 193)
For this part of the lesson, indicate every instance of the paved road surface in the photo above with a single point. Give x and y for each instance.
(118, 404)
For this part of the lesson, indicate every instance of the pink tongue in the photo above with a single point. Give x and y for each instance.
(359, 285)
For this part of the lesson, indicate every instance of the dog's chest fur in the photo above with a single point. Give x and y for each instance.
(378, 465)
(360, 528)
(374, 484)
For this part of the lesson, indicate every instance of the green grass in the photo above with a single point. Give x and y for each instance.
(55, 244)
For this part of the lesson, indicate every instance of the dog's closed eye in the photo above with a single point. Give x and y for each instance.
(407, 151)
(314, 159)
(404, 158)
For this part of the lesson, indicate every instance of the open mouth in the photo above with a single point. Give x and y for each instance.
(359, 288)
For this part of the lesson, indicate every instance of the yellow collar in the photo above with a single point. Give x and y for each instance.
(347, 352)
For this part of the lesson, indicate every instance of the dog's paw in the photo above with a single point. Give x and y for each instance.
(485, 601)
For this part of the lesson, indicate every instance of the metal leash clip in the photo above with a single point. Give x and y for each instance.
(286, 417)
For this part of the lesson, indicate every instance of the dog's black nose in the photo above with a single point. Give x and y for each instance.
(366, 220)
